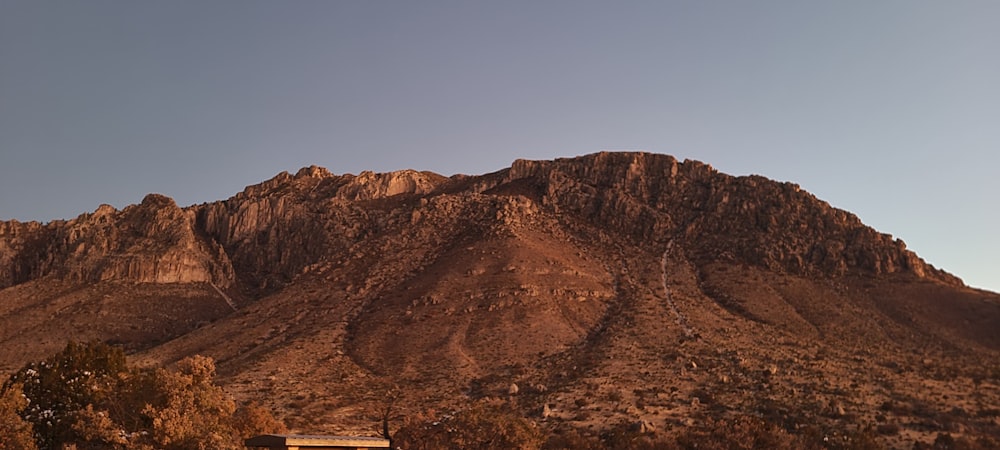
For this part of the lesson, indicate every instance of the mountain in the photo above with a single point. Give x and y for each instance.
(612, 287)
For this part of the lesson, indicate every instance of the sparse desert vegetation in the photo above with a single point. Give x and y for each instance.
(633, 300)
(86, 395)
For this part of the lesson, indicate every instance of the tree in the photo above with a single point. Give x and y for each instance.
(385, 413)
(86, 395)
(188, 411)
(15, 432)
(80, 375)
(252, 420)
(96, 430)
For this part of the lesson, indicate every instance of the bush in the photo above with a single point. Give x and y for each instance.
(86, 395)
(484, 426)
(188, 411)
(571, 440)
(628, 436)
(887, 429)
(15, 432)
(252, 420)
(945, 441)
(741, 433)
(58, 387)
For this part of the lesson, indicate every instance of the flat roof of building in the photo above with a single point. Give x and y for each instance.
(305, 440)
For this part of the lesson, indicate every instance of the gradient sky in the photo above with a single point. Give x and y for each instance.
(889, 109)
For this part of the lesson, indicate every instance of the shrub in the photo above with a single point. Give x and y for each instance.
(740, 433)
(628, 436)
(887, 429)
(483, 426)
(571, 439)
(80, 375)
(945, 441)
(188, 411)
(252, 420)
(15, 432)
(86, 395)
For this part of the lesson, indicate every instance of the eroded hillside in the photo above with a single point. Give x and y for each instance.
(610, 287)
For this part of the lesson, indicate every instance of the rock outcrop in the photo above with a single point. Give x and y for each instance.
(152, 242)
(270, 232)
(273, 230)
(604, 290)
(714, 216)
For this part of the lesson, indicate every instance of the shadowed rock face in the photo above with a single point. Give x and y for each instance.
(609, 280)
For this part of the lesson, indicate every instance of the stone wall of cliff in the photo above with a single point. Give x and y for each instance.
(656, 199)
(275, 229)
(266, 235)
(152, 242)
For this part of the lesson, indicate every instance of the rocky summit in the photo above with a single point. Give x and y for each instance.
(587, 292)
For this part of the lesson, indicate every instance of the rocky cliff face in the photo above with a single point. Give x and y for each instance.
(270, 232)
(152, 242)
(22, 247)
(273, 230)
(610, 287)
(656, 199)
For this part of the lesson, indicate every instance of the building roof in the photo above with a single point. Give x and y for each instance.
(302, 440)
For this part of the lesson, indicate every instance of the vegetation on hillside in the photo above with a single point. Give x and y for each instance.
(88, 396)
(489, 424)
(483, 426)
(15, 432)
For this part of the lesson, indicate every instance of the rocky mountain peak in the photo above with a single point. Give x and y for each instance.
(590, 283)
(105, 210)
(274, 229)
(656, 199)
(370, 185)
(313, 172)
(158, 201)
(151, 242)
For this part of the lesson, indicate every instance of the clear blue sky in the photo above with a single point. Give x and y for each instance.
(889, 108)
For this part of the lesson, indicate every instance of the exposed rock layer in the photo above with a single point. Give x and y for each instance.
(270, 232)
(611, 287)
(655, 198)
(152, 242)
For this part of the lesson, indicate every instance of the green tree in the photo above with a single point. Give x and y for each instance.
(180, 409)
(87, 395)
(56, 388)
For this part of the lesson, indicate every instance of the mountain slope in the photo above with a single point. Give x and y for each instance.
(613, 286)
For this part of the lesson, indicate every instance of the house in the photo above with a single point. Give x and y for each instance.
(306, 442)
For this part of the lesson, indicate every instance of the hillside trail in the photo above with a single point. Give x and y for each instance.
(679, 317)
(229, 301)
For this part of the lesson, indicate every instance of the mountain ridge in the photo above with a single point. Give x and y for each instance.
(594, 283)
(635, 189)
